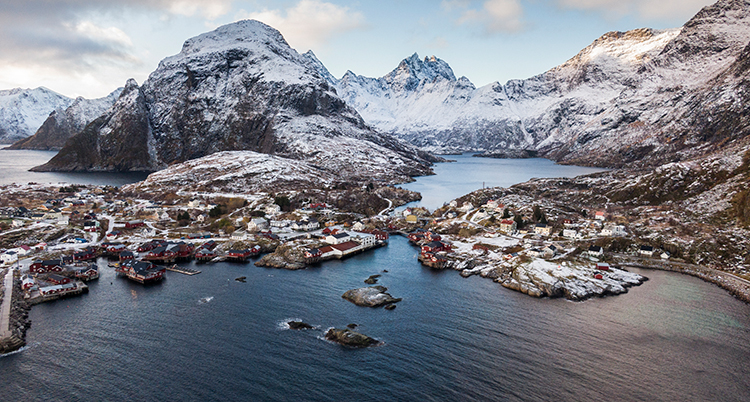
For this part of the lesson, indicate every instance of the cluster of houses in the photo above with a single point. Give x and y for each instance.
(433, 249)
(341, 244)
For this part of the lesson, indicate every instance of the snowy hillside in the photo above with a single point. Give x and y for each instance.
(62, 124)
(22, 111)
(239, 87)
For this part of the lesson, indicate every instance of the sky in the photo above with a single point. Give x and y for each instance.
(90, 47)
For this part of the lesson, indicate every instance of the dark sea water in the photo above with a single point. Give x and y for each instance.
(15, 165)
(210, 338)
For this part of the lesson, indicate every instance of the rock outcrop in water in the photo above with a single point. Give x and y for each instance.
(350, 338)
(373, 296)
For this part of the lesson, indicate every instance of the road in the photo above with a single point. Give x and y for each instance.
(5, 307)
(390, 205)
(645, 263)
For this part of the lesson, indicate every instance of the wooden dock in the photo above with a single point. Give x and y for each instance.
(182, 270)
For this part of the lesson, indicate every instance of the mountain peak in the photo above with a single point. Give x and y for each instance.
(413, 71)
(245, 33)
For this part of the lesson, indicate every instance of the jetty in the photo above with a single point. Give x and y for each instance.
(5, 331)
(183, 270)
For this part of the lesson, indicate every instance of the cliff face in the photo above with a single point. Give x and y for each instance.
(240, 87)
(119, 140)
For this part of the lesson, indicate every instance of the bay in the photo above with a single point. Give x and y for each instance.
(210, 338)
(15, 165)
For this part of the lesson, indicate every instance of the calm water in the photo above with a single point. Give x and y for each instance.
(15, 165)
(467, 174)
(208, 337)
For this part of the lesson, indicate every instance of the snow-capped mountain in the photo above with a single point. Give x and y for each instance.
(422, 102)
(64, 123)
(690, 99)
(604, 101)
(239, 87)
(22, 111)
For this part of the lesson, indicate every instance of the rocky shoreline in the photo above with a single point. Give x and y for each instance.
(736, 286)
(19, 322)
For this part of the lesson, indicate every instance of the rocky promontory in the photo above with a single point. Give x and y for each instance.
(285, 257)
(373, 296)
(347, 337)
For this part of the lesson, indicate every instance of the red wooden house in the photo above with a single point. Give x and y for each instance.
(134, 224)
(126, 255)
(435, 246)
(141, 271)
(87, 273)
(58, 280)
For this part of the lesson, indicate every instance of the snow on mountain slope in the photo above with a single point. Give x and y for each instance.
(240, 87)
(671, 111)
(235, 172)
(62, 124)
(424, 103)
(22, 111)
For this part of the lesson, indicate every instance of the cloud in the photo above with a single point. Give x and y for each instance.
(68, 38)
(494, 16)
(309, 23)
(645, 9)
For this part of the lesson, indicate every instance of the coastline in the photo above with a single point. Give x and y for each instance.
(736, 286)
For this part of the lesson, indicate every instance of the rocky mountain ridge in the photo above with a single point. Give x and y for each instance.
(64, 123)
(614, 103)
(22, 111)
(239, 87)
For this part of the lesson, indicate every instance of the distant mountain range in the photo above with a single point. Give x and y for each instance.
(641, 97)
(22, 111)
(630, 96)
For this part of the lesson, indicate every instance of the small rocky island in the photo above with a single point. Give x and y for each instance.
(373, 296)
(350, 338)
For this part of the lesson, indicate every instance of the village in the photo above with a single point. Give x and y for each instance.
(55, 240)
(53, 236)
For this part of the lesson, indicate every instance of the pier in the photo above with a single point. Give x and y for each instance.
(5, 331)
(182, 270)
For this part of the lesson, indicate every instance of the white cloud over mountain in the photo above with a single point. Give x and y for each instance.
(309, 23)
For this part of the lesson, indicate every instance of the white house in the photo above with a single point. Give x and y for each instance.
(194, 203)
(549, 251)
(17, 223)
(599, 215)
(646, 251)
(365, 239)
(619, 230)
(338, 238)
(570, 233)
(240, 235)
(467, 207)
(257, 224)
(273, 209)
(9, 257)
(306, 224)
(595, 251)
(542, 229)
(358, 226)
